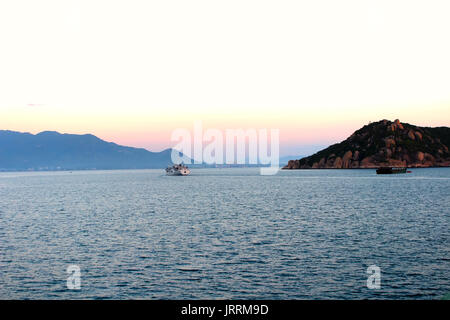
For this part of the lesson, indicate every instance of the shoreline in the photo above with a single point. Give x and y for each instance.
(138, 169)
(371, 168)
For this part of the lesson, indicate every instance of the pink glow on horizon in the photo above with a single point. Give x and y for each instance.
(153, 135)
(289, 137)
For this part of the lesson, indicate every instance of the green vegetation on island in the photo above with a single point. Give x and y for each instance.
(384, 143)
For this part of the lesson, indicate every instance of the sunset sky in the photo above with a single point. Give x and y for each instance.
(133, 71)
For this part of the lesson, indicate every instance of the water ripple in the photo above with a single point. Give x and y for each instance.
(225, 233)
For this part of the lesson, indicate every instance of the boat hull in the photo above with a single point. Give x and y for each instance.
(178, 173)
(389, 170)
(177, 170)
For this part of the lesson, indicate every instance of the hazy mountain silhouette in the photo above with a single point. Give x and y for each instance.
(51, 150)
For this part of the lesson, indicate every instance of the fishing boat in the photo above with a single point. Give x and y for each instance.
(390, 170)
(177, 170)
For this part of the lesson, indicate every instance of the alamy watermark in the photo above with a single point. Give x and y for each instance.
(74, 279)
(374, 279)
(233, 146)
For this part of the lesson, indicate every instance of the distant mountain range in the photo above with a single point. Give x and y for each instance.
(384, 143)
(51, 150)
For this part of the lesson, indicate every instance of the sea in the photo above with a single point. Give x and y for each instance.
(226, 233)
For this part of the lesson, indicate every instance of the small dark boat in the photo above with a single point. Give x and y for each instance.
(390, 170)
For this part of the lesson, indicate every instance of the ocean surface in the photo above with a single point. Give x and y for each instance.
(225, 234)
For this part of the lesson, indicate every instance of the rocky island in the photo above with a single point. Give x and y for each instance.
(383, 143)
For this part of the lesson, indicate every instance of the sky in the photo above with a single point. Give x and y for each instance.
(134, 71)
